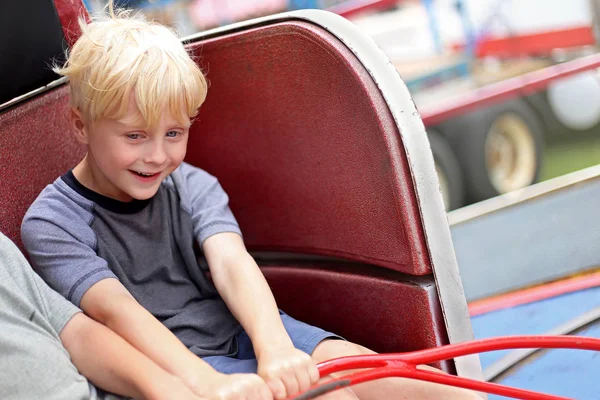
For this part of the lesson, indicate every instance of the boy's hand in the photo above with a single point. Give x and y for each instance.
(233, 387)
(287, 371)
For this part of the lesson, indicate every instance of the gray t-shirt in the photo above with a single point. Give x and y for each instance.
(33, 362)
(76, 238)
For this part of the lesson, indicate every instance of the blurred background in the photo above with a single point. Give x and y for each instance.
(485, 75)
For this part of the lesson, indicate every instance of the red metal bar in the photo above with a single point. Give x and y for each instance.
(351, 8)
(69, 11)
(404, 364)
(534, 44)
(520, 86)
(409, 371)
(428, 356)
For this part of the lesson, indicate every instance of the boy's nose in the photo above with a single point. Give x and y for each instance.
(156, 154)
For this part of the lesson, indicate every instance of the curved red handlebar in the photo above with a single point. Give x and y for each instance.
(404, 365)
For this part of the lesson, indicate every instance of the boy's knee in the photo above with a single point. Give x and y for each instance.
(334, 348)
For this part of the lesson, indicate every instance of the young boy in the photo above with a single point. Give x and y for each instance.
(116, 235)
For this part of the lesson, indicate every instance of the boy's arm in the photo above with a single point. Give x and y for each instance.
(101, 355)
(114, 365)
(242, 285)
(109, 303)
(61, 245)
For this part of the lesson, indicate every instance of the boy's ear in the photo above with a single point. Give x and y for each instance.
(79, 128)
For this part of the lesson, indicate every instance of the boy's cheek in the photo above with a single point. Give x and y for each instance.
(181, 156)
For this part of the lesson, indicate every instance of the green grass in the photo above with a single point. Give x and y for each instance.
(565, 156)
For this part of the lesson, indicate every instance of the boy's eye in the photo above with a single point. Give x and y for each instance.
(134, 136)
(173, 134)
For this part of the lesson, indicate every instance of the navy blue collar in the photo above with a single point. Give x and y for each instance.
(121, 207)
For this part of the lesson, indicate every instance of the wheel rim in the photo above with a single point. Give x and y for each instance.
(444, 185)
(510, 153)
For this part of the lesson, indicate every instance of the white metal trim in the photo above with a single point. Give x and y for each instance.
(33, 93)
(524, 195)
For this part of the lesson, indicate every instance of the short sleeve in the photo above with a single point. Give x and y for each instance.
(60, 311)
(17, 273)
(206, 201)
(61, 246)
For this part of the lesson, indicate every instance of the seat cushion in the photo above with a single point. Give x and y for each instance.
(383, 310)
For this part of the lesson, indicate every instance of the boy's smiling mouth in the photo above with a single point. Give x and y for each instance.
(145, 176)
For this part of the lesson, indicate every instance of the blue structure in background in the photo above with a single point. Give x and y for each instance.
(433, 25)
(468, 29)
(469, 32)
(568, 373)
(302, 4)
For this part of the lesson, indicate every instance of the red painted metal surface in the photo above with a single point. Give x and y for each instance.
(534, 294)
(69, 11)
(523, 85)
(404, 365)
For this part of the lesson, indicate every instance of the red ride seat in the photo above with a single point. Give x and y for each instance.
(304, 143)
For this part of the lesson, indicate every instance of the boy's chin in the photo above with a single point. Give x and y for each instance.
(143, 196)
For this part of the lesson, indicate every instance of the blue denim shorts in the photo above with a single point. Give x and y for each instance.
(304, 336)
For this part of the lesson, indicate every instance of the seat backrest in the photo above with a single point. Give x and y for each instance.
(35, 142)
(327, 167)
(301, 137)
(35, 148)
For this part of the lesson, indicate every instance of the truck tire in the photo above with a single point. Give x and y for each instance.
(499, 148)
(448, 170)
(553, 129)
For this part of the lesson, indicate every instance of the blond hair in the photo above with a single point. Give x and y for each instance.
(121, 55)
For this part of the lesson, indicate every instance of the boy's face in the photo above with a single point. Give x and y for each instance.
(127, 161)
